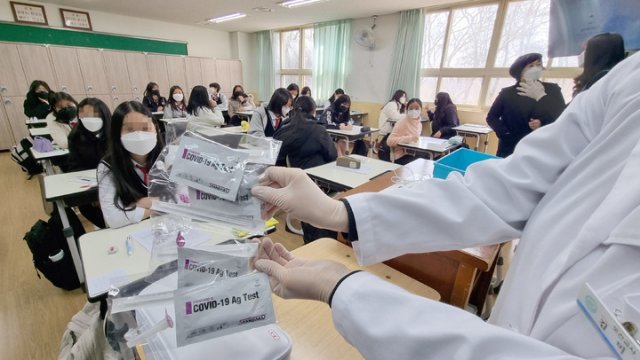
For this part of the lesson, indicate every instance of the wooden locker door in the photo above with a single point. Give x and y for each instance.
(158, 72)
(108, 100)
(224, 78)
(67, 69)
(93, 71)
(14, 109)
(117, 72)
(138, 73)
(194, 74)
(12, 79)
(36, 64)
(177, 73)
(235, 72)
(6, 135)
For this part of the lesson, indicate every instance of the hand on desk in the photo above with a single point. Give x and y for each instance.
(294, 192)
(345, 127)
(298, 278)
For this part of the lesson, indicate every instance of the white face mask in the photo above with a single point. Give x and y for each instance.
(285, 110)
(403, 100)
(178, 97)
(533, 73)
(413, 114)
(139, 142)
(92, 124)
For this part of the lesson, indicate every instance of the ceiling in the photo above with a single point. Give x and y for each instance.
(192, 12)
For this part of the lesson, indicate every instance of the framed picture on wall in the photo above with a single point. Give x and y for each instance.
(28, 13)
(75, 19)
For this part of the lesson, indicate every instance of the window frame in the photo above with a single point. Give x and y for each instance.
(300, 72)
(489, 71)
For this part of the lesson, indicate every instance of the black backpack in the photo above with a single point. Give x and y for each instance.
(22, 156)
(51, 255)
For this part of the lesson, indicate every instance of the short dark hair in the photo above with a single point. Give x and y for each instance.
(31, 94)
(333, 96)
(306, 91)
(149, 89)
(215, 85)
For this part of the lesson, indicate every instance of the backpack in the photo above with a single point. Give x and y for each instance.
(384, 151)
(22, 156)
(51, 255)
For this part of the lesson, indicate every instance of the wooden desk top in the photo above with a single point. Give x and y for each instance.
(480, 257)
(309, 323)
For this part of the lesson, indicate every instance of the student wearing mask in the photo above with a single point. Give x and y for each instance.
(338, 116)
(216, 95)
(202, 110)
(294, 90)
(176, 107)
(306, 91)
(152, 99)
(336, 94)
(88, 145)
(123, 174)
(406, 130)
(266, 120)
(392, 111)
(37, 102)
(445, 118)
(570, 194)
(526, 106)
(63, 116)
(601, 54)
(240, 101)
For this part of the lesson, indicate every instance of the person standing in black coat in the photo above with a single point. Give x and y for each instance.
(445, 118)
(305, 142)
(526, 106)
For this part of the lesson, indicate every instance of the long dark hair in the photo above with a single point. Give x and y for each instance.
(32, 98)
(172, 102)
(279, 99)
(294, 86)
(333, 96)
(601, 54)
(304, 109)
(396, 97)
(199, 98)
(103, 112)
(58, 97)
(129, 187)
(444, 102)
(235, 92)
(149, 89)
(335, 109)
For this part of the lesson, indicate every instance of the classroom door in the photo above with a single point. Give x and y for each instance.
(176, 73)
(157, 65)
(67, 69)
(138, 74)
(12, 79)
(36, 64)
(193, 73)
(14, 109)
(93, 71)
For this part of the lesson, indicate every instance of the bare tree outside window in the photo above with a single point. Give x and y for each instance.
(470, 36)
(291, 49)
(462, 90)
(435, 28)
(308, 49)
(525, 30)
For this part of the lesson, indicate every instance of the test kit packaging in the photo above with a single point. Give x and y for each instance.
(198, 267)
(228, 306)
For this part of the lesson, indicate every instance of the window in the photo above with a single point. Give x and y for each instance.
(468, 49)
(295, 61)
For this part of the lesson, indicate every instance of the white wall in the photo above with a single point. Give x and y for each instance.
(369, 77)
(201, 41)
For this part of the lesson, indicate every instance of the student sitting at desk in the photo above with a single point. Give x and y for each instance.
(268, 118)
(407, 130)
(37, 102)
(216, 95)
(445, 118)
(63, 116)
(336, 94)
(202, 110)
(294, 90)
(88, 145)
(240, 101)
(176, 107)
(306, 91)
(134, 145)
(338, 116)
(152, 99)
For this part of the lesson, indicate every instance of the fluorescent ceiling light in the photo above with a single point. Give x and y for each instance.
(294, 3)
(227, 18)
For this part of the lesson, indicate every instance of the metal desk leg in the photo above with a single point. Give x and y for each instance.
(71, 241)
(48, 167)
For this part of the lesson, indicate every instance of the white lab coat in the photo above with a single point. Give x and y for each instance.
(570, 192)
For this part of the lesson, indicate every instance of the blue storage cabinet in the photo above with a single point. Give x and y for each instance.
(459, 161)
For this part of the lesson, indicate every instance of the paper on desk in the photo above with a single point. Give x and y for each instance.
(101, 284)
(192, 239)
(87, 182)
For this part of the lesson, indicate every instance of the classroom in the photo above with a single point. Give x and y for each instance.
(320, 179)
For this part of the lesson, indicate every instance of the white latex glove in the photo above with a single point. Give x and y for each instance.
(532, 89)
(298, 278)
(294, 192)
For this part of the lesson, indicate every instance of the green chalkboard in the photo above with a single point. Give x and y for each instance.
(44, 35)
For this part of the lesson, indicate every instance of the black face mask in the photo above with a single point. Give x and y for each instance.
(43, 95)
(343, 109)
(66, 114)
